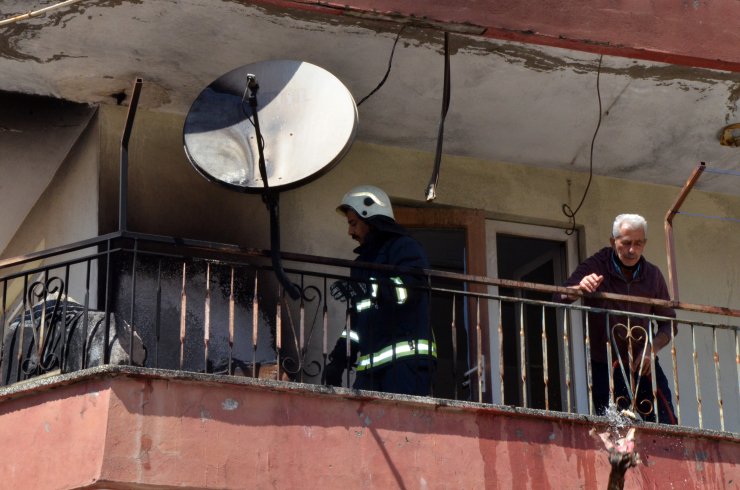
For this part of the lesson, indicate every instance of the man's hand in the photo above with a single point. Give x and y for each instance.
(589, 284)
(659, 341)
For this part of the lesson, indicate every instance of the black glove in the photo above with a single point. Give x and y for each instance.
(338, 361)
(333, 373)
(344, 290)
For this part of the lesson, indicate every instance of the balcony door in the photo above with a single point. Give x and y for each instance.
(541, 255)
(454, 240)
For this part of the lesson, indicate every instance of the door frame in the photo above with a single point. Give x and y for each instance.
(473, 222)
(576, 337)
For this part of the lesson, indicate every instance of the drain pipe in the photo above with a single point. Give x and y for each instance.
(669, 245)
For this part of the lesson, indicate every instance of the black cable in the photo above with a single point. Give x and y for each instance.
(567, 211)
(388, 71)
(249, 117)
(431, 192)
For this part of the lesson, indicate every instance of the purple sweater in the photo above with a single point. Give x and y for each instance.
(647, 281)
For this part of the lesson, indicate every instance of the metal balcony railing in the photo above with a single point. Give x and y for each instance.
(187, 305)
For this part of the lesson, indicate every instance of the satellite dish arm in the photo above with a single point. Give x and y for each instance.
(269, 197)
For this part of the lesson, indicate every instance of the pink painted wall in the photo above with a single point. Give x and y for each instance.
(54, 439)
(192, 434)
(702, 33)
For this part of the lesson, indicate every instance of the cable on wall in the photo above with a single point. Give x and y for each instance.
(567, 211)
(388, 71)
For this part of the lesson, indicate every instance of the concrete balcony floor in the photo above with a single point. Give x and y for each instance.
(120, 427)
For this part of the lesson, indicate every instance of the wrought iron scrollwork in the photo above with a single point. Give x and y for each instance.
(46, 322)
(302, 365)
(632, 335)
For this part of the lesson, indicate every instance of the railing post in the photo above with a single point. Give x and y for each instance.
(719, 385)
(696, 376)
(255, 324)
(183, 315)
(523, 355)
(589, 366)
(501, 349)
(675, 373)
(545, 374)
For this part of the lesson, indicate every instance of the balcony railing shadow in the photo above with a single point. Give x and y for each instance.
(196, 306)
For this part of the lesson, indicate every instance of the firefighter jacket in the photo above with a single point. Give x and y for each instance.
(646, 281)
(391, 322)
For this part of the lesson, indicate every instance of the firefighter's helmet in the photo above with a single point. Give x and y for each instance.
(367, 201)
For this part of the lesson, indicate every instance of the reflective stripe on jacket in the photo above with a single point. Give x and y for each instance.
(397, 309)
(400, 350)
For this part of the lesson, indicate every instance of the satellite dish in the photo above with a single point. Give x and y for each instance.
(270, 126)
(307, 119)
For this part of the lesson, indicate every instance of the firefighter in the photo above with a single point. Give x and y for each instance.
(391, 341)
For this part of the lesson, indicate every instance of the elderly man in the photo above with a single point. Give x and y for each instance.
(389, 311)
(622, 269)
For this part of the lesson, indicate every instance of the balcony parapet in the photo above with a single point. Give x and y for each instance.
(196, 306)
(125, 427)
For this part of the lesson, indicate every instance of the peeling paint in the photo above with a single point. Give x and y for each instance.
(205, 415)
(537, 59)
(365, 419)
(732, 105)
(145, 445)
(31, 28)
(230, 404)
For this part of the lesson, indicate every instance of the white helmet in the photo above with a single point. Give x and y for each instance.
(367, 201)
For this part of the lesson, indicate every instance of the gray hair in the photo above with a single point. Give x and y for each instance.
(631, 221)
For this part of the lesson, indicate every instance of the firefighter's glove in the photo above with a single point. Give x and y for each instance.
(344, 290)
(339, 353)
(338, 361)
(333, 373)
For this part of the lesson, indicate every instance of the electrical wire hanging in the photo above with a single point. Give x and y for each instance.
(388, 71)
(567, 211)
(431, 192)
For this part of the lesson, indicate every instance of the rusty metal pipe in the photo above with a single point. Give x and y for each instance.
(670, 249)
(123, 178)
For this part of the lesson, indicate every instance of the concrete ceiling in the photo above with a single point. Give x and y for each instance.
(510, 101)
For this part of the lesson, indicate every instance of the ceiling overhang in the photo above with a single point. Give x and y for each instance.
(524, 74)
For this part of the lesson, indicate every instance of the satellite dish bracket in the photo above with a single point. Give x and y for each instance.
(269, 197)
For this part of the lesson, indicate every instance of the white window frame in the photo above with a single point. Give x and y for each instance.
(576, 338)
